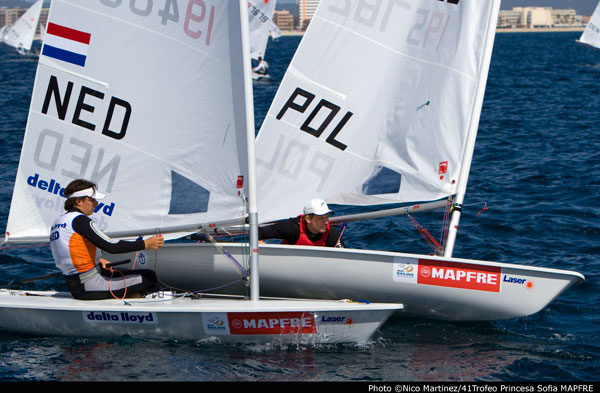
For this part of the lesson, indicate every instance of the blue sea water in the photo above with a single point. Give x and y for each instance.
(537, 170)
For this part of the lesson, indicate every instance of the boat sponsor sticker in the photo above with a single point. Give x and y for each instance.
(405, 270)
(256, 323)
(120, 317)
(447, 274)
(66, 44)
(215, 323)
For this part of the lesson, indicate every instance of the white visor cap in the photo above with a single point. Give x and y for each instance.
(88, 192)
(318, 207)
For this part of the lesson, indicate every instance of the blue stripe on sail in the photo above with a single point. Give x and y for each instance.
(64, 55)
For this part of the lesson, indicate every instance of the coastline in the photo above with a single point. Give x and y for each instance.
(541, 30)
(499, 30)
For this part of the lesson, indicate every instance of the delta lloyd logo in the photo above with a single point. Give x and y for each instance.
(120, 317)
(53, 187)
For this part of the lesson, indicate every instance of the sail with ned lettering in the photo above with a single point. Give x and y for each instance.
(107, 107)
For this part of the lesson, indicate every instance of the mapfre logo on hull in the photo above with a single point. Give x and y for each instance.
(447, 274)
(459, 275)
(272, 323)
(258, 323)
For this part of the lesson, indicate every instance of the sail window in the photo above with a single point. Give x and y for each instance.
(187, 197)
(383, 181)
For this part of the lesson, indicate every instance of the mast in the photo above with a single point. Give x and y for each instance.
(250, 135)
(472, 133)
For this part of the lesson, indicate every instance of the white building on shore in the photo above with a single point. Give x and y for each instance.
(538, 17)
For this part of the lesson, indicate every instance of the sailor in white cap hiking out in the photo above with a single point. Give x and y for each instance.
(311, 228)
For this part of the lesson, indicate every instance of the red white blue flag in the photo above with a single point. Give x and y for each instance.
(66, 44)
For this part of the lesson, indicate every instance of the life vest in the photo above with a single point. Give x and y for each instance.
(303, 239)
(72, 252)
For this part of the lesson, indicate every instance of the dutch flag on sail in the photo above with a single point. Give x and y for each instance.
(66, 44)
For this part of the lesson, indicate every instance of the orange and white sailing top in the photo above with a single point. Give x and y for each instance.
(76, 243)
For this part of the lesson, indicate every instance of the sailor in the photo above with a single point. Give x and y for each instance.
(309, 229)
(76, 241)
(262, 68)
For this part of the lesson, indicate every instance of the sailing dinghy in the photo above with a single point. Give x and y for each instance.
(403, 135)
(157, 111)
(260, 13)
(591, 34)
(20, 35)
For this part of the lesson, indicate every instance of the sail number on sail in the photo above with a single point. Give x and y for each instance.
(197, 14)
(306, 126)
(430, 23)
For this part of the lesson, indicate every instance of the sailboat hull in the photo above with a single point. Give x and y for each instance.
(184, 318)
(428, 286)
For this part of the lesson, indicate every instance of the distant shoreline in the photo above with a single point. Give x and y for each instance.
(542, 30)
(513, 30)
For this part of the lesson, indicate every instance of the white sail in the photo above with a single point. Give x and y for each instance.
(20, 35)
(591, 34)
(375, 106)
(152, 109)
(275, 32)
(260, 17)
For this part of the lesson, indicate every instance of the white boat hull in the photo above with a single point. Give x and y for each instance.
(260, 77)
(184, 318)
(456, 289)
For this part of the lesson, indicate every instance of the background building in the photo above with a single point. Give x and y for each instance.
(538, 17)
(284, 20)
(306, 10)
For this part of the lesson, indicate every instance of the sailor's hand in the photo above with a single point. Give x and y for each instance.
(154, 242)
(103, 262)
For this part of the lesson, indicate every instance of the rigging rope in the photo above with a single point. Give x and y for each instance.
(224, 252)
(437, 248)
(445, 225)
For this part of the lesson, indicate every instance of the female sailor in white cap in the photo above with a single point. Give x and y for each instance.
(76, 241)
(309, 229)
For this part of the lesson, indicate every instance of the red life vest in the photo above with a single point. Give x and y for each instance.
(303, 239)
